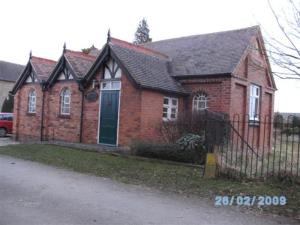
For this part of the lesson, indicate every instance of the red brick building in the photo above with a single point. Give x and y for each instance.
(126, 91)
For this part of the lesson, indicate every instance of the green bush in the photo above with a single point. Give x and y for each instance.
(8, 105)
(172, 152)
(190, 141)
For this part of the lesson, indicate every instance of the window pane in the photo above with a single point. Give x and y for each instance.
(254, 102)
(116, 85)
(105, 85)
(65, 102)
(257, 91)
(174, 101)
(31, 101)
(166, 101)
(256, 106)
(201, 105)
(200, 102)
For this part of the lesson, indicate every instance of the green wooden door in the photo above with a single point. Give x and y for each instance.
(109, 117)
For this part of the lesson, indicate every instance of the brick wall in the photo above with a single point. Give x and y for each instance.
(218, 91)
(57, 126)
(253, 69)
(140, 112)
(27, 126)
(91, 117)
(151, 114)
(130, 112)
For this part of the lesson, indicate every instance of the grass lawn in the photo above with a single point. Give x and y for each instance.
(155, 173)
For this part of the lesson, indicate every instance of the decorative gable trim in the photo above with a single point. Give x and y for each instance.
(112, 70)
(28, 75)
(62, 71)
(106, 54)
(65, 75)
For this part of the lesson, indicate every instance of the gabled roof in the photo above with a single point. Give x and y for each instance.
(206, 54)
(146, 68)
(10, 71)
(156, 64)
(78, 63)
(41, 68)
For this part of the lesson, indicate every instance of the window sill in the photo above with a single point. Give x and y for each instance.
(64, 116)
(254, 123)
(31, 114)
(168, 120)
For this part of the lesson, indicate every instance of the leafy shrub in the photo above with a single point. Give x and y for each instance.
(214, 126)
(8, 104)
(190, 141)
(296, 121)
(172, 152)
(278, 120)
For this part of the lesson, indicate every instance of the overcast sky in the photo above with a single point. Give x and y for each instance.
(44, 25)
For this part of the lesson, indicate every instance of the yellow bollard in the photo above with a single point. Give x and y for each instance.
(210, 165)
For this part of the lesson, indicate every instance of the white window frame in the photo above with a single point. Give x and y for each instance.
(167, 116)
(109, 85)
(32, 102)
(65, 102)
(198, 100)
(254, 102)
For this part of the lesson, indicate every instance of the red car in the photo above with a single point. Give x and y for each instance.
(6, 124)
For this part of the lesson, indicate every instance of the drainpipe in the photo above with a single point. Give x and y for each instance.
(43, 108)
(81, 89)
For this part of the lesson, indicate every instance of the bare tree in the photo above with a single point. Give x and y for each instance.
(284, 52)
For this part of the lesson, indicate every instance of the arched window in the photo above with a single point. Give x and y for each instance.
(32, 102)
(200, 102)
(65, 102)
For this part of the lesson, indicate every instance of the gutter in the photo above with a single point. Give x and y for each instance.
(43, 109)
(81, 89)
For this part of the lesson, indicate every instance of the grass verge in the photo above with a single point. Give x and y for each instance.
(176, 178)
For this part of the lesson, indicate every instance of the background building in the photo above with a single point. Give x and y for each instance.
(9, 73)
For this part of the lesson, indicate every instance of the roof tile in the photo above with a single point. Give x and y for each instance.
(10, 71)
(80, 62)
(43, 67)
(206, 54)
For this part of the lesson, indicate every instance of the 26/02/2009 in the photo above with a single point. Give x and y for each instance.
(250, 200)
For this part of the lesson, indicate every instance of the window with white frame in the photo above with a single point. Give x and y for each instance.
(254, 102)
(32, 102)
(170, 108)
(111, 85)
(65, 99)
(200, 102)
